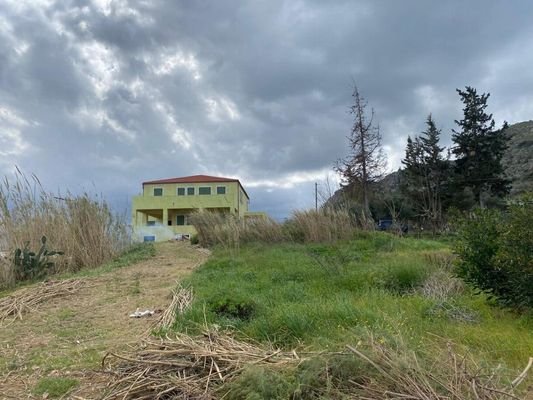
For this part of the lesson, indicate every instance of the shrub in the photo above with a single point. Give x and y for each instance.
(496, 252)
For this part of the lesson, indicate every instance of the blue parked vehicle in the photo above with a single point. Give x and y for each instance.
(384, 224)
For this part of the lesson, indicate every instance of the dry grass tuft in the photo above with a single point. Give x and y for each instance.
(186, 367)
(28, 299)
(441, 285)
(400, 374)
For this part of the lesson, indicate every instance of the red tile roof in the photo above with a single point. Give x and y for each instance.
(195, 179)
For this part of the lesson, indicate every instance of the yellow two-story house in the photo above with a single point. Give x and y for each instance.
(161, 212)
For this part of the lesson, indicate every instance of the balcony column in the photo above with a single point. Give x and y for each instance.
(165, 216)
(144, 218)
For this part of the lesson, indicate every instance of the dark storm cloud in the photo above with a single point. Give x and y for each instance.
(109, 93)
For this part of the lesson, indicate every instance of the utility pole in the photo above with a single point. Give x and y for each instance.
(316, 196)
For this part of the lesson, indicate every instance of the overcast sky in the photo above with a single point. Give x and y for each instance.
(101, 95)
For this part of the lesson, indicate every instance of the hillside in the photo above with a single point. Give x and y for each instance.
(518, 158)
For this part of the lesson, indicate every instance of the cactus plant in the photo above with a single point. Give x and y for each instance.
(31, 265)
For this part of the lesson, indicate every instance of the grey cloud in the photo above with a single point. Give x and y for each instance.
(144, 90)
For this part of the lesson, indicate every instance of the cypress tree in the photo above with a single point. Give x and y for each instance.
(479, 149)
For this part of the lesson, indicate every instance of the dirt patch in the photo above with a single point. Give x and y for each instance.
(68, 336)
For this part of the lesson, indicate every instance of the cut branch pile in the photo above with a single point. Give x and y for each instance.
(28, 299)
(186, 367)
(181, 300)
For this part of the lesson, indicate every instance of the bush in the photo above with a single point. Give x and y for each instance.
(496, 252)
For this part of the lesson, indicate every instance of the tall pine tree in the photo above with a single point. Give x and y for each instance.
(479, 149)
(425, 172)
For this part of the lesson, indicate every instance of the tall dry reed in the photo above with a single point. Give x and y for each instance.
(325, 225)
(229, 230)
(82, 226)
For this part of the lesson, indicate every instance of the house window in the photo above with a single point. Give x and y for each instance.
(221, 189)
(190, 191)
(181, 191)
(181, 220)
(158, 191)
(204, 190)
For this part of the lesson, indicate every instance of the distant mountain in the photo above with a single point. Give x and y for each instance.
(518, 158)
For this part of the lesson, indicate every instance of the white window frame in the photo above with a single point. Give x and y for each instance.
(205, 194)
(225, 191)
(162, 192)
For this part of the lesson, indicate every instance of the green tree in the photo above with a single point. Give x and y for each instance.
(426, 173)
(365, 162)
(479, 148)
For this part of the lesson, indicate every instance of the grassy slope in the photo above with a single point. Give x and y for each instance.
(326, 296)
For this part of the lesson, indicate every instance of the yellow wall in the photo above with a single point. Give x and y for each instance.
(162, 209)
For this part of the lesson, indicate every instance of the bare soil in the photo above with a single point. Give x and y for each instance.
(68, 336)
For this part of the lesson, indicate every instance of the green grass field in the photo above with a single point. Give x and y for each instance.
(325, 296)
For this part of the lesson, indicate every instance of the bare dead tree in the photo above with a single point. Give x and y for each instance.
(366, 161)
(326, 190)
